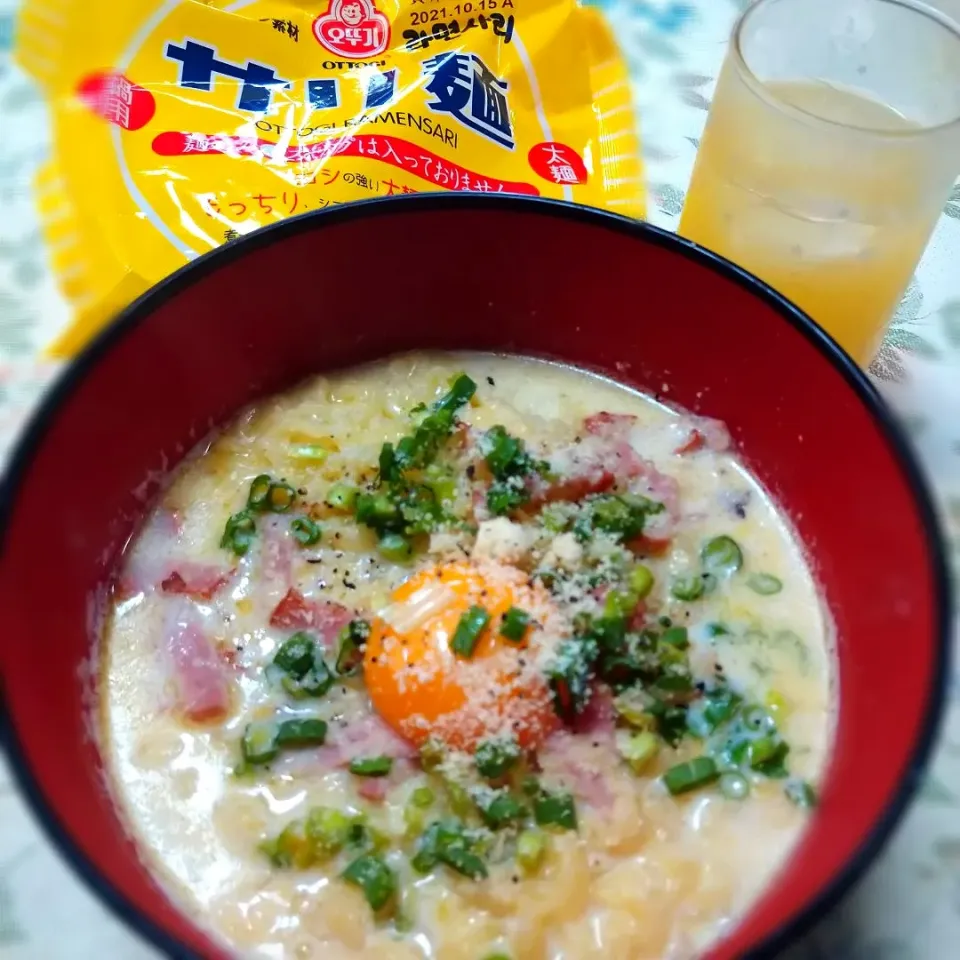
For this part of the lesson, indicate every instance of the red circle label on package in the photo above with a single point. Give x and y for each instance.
(557, 163)
(354, 29)
(118, 100)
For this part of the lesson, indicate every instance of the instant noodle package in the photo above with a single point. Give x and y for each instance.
(179, 126)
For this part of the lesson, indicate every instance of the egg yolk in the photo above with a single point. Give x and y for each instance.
(426, 691)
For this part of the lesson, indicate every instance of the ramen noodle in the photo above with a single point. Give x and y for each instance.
(463, 656)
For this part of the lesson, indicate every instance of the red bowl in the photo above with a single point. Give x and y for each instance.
(514, 275)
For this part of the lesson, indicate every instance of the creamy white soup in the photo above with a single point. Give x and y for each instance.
(463, 656)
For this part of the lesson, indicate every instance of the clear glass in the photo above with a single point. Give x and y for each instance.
(831, 147)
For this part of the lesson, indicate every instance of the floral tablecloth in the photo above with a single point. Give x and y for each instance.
(909, 906)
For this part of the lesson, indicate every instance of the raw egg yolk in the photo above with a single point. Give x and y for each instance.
(426, 691)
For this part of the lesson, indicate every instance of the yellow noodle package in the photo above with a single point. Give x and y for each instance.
(182, 125)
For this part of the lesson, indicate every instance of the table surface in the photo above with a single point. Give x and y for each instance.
(908, 907)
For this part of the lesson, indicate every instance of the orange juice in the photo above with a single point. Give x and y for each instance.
(838, 231)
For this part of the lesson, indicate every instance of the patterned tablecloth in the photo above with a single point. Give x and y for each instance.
(909, 905)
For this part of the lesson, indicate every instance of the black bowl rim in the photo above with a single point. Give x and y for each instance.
(792, 927)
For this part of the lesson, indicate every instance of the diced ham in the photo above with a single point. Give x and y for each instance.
(371, 737)
(608, 424)
(647, 546)
(598, 718)
(704, 433)
(296, 612)
(374, 788)
(276, 553)
(149, 563)
(568, 757)
(572, 488)
(200, 675)
(359, 739)
(197, 580)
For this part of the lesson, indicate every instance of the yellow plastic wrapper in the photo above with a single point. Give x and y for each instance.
(180, 125)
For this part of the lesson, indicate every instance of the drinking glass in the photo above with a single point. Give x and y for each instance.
(831, 147)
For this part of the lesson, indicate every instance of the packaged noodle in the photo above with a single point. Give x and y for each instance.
(181, 125)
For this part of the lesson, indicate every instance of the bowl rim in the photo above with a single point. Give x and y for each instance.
(33, 433)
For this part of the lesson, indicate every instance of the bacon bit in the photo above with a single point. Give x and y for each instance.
(695, 441)
(296, 612)
(649, 546)
(574, 488)
(293, 612)
(203, 692)
(371, 737)
(276, 552)
(197, 580)
(705, 432)
(605, 424)
(638, 619)
(597, 719)
(373, 788)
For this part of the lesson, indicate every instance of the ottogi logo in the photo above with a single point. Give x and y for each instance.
(354, 29)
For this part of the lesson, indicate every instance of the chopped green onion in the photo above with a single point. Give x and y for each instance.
(258, 498)
(471, 625)
(514, 624)
(376, 510)
(341, 496)
(259, 743)
(457, 798)
(620, 603)
(721, 556)
(377, 881)
(432, 754)
(414, 813)
(531, 849)
(305, 531)
(239, 533)
(446, 842)
(801, 793)
(422, 797)
(461, 391)
(308, 732)
(717, 630)
(570, 674)
(328, 830)
(638, 749)
(502, 810)
(690, 775)
(371, 766)
(504, 496)
(759, 720)
(495, 757)
(555, 810)
(623, 515)
(530, 786)
(676, 637)
(766, 584)
(776, 703)
(734, 786)
(314, 683)
(641, 580)
(395, 547)
(280, 497)
(767, 756)
(291, 848)
(296, 654)
(349, 652)
(688, 588)
(308, 452)
(634, 714)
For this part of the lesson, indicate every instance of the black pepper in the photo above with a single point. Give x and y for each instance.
(490, 381)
